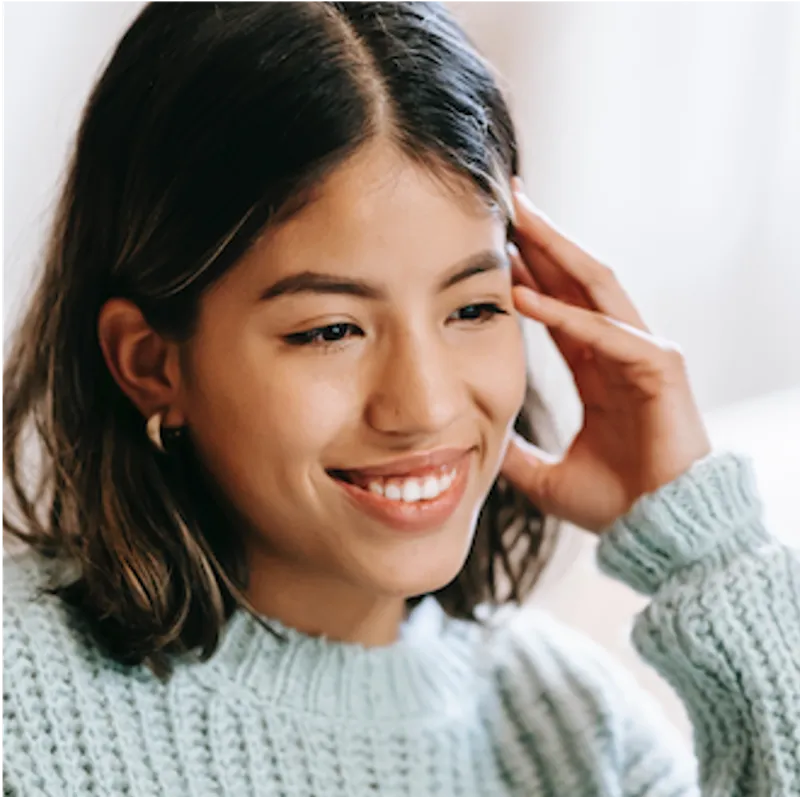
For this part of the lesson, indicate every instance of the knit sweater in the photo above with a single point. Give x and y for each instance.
(523, 706)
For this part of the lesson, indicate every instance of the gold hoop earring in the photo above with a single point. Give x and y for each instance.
(154, 431)
(160, 436)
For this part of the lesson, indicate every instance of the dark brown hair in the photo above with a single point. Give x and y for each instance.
(210, 122)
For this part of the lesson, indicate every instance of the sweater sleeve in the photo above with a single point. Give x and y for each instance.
(723, 623)
(8, 789)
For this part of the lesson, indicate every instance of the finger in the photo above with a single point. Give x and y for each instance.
(549, 277)
(573, 351)
(535, 232)
(529, 469)
(520, 273)
(602, 334)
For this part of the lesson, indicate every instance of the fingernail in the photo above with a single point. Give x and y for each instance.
(523, 198)
(533, 297)
(527, 294)
(527, 203)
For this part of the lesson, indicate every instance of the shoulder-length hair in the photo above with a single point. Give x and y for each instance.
(210, 122)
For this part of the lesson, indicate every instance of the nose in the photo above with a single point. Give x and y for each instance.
(417, 390)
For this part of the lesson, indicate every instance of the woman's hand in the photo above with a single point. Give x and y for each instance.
(641, 427)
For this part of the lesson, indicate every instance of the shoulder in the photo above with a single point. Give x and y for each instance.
(48, 650)
(41, 628)
(27, 575)
(43, 640)
(579, 715)
(534, 645)
(39, 644)
(548, 668)
(55, 680)
(529, 649)
(27, 606)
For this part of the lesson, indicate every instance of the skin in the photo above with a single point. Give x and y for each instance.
(418, 374)
(642, 427)
(416, 380)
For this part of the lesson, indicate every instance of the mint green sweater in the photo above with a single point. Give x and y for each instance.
(528, 706)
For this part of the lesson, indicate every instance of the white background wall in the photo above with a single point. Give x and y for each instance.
(663, 136)
(53, 52)
(666, 139)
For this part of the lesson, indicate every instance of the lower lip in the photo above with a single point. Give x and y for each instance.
(418, 516)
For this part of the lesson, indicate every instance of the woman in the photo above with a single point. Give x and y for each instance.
(286, 470)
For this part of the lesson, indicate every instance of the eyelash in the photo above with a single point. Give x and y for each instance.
(315, 337)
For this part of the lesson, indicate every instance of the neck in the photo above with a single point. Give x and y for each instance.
(320, 605)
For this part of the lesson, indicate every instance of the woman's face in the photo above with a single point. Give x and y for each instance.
(359, 333)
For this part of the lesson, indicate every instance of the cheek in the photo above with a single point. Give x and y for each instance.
(256, 413)
(498, 371)
(312, 408)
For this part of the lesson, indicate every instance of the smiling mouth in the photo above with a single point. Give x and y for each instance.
(420, 488)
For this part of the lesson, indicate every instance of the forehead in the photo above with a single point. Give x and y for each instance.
(379, 211)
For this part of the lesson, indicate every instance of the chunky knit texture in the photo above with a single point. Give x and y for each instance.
(527, 706)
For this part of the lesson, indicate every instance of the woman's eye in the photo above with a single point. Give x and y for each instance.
(479, 312)
(330, 335)
(324, 336)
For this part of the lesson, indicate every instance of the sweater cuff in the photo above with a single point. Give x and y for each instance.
(713, 505)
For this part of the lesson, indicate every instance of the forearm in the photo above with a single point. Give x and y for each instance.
(723, 625)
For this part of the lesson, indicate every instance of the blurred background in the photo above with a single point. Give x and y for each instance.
(664, 137)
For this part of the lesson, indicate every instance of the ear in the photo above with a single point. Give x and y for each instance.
(144, 364)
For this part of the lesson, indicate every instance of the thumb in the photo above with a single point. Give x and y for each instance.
(529, 469)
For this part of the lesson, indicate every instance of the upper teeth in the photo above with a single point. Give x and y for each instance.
(411, 490)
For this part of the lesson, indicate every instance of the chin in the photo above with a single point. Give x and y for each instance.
(425, 568)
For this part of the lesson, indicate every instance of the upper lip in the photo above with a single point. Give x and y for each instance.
(412, 465)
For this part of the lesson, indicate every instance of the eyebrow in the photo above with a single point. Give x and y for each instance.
(317, 283)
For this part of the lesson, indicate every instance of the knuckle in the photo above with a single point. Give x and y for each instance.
(673, 351)
(672, 358)
(607, 320)
(601, 276)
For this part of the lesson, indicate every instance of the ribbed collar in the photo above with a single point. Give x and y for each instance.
(430, 670)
